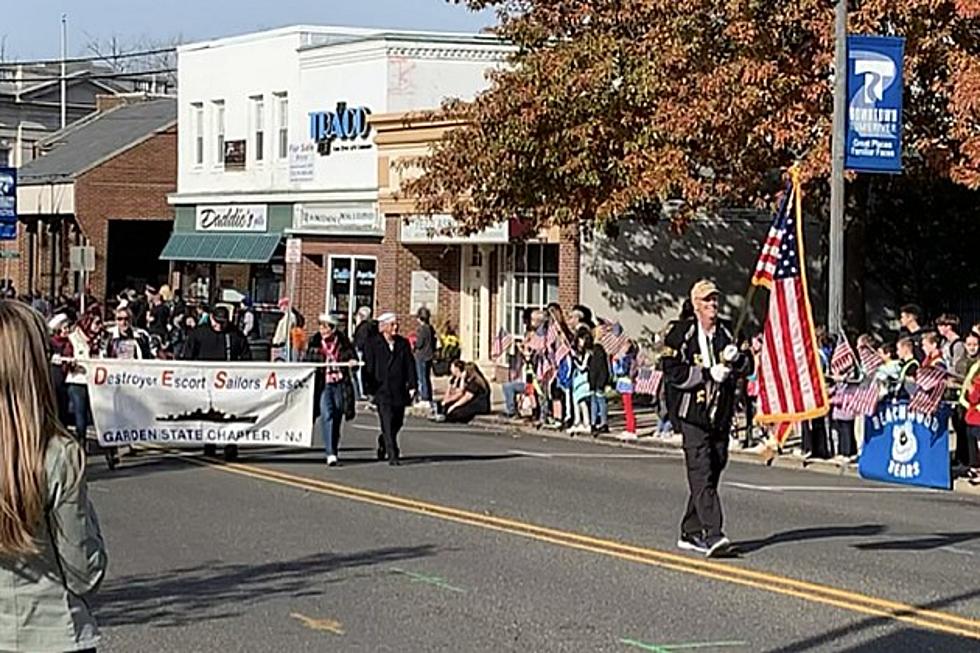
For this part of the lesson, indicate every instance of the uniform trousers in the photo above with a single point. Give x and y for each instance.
(705, 455)
(392, 419)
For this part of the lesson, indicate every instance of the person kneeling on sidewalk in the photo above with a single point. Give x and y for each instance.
(472, 401)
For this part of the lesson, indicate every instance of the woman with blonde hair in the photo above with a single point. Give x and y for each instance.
(51, 550)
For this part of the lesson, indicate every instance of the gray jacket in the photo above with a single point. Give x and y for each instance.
(42, 604)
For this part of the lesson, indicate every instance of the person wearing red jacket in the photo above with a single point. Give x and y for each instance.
(970, 400)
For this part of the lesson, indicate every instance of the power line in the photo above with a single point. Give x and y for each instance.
(82, 76)
(98, 57)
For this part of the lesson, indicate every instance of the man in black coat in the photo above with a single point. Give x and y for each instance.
(218, 340)
(702, 364)
(389, 376)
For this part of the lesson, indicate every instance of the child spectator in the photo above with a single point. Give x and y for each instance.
(581, 392)
(623, 373)
(598, 383)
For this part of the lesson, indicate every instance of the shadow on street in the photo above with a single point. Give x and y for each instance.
(219, 590)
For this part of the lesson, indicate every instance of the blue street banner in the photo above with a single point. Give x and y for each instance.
(8, 204)
(874, 109)
(907, 447)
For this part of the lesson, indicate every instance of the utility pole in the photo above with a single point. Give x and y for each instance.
(835, 312)
(64, 70)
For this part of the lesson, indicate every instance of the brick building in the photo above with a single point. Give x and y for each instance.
(102, 182)
(478, 283)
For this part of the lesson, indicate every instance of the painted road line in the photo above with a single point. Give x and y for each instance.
(682, 646)
(946, 622)
(542, 454)
(323, 625)
(435, 581)
(829, 488)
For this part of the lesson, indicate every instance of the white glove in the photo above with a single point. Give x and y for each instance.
(720, 372)
(729, 354)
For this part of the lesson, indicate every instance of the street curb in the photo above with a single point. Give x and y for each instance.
(646, 443)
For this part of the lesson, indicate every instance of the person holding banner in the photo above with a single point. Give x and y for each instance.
(389, 376)
(52, 554)
(701, 364)
(218, 340)
(334, 389)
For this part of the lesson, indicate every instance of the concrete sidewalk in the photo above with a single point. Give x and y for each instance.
(647, 421)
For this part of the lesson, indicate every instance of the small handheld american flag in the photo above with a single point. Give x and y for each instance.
(647, 381)
(613, 338)
(931, 385)
(501, 343)
(843, 361)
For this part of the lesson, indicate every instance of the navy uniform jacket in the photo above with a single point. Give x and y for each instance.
(693, 397)
(389, 372)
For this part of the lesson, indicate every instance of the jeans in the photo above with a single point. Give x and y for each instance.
(600, 410)
(331, 415)
(80, 408)
(511, 390)
(423, 370)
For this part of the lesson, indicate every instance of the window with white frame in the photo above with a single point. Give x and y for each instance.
(531, 271)
(282, 125)
(258, 123)
(197, 119)
(219, 131)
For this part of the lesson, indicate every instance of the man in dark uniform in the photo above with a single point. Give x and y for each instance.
(389, 376)
(702, 364)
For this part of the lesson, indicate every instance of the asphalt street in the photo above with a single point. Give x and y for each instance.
(494, 541)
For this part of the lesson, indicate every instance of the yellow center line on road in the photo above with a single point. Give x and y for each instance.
(945, 622)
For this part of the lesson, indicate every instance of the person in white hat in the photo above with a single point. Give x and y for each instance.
(334, 389)
(389, 376)
(701, 363)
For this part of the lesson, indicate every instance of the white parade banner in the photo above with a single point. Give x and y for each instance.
(183, 403)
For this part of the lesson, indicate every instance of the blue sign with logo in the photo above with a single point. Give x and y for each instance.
(343, 124)
(874, 103)
(907, 447)
(8, 204)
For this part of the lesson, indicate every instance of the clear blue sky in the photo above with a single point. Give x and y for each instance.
(30, 29)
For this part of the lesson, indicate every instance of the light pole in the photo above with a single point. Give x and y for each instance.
(835, 312)
(64, 70)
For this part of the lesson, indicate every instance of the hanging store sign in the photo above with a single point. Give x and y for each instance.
(8, 204)
(874, 110)
(338, 220)
(444, 229)
(233, 217)
(340, 129)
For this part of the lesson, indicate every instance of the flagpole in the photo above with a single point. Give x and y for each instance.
(835, 309)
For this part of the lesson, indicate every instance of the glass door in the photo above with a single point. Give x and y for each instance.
(351, 285)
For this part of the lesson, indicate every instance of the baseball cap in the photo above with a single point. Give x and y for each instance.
(703, 289)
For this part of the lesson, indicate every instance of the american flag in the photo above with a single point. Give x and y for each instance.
(931, 385)
(562, 349)
(612, 338)
(863, 400)
(843, 361)
(791, 383)
(501, 343)
(535, 342)
(647, 381)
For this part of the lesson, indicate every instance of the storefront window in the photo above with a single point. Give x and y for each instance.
(532, 281)
(351, 285)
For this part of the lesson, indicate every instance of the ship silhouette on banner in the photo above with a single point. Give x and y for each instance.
(211, 415)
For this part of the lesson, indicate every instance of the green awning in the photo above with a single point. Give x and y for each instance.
(220, 248)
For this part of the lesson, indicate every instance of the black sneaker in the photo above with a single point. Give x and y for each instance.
(717, 545)
(692, 542)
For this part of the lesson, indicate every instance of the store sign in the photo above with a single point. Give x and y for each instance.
(302, 158)
(340, 129)
(8, 204)
(338, 220)
(233, 217)
(444, 229)
(235, 155)
(874, 110)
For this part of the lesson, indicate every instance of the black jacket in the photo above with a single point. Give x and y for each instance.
(363, 333)
(693, 397)
(345, 352)
(206, 344)
(389, 373)
(599, 378)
